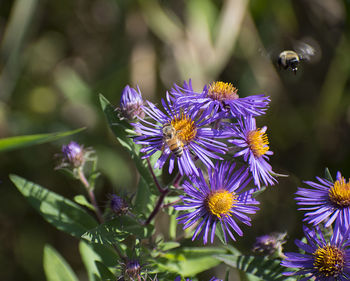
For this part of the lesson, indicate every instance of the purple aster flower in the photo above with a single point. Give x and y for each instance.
(322, 260)
(325, 201)
(254, 147)
(131, 103)
(220, 99)
(180, 135)
(221, 200)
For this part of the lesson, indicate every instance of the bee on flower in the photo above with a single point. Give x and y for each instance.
(182, 135)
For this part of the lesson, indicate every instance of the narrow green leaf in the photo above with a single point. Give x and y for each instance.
(81, 200)
(13, 143)
(117, 230)
(259, 191)
(166, 246)
(55, 266)
(62, 213)
(328, 175)
(189, 261)
(264, 268)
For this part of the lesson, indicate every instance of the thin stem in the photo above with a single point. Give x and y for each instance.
(91, 195)
(160, 189)
(158, 205)
(171, 204)
(177, 180)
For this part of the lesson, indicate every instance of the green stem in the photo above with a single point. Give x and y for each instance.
(91, 195)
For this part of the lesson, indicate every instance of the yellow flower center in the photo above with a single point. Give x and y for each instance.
(222, 91)
(220, 202)
(185, 127)
(258, 142)
(339, 193)
(329, 260)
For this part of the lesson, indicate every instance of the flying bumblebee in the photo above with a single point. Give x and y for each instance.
(291, 58)
(172, 140)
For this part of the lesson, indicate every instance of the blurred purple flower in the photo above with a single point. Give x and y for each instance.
(118, 205)
(269, 244)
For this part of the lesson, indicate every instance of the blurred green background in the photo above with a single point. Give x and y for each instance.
(57, 56)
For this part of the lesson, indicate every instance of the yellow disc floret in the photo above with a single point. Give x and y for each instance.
(339, 193)
(220, 202)
(258, 142)
(185, 127)
(329, 260)
(222, 91)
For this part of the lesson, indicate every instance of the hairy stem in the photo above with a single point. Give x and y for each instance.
(91, 195)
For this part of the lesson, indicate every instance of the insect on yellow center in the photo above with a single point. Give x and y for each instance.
(258, 142)
(222, 91)
(185, 127)
(329, 260)
(220, 202)
(339, 193)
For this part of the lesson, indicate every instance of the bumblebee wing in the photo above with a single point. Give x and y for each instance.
(304, 50)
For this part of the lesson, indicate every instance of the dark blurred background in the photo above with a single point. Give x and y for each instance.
(57, 56)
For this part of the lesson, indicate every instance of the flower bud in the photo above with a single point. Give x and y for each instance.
(131, 103)
(73, 154)
(269, 244)
(118, 205)
(132, 269)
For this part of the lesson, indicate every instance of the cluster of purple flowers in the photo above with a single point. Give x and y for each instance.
(326, 259)
(194, 131)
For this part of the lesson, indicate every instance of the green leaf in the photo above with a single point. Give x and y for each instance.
(117, 230)
(89, 259)
(144, 200)
(13, 143)
(104, 271)
(328, 175)
(55, 267)
(189, 261)
(166, 246)
(122, 130)
(81, 200)
(62, 213)
(261, 267)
